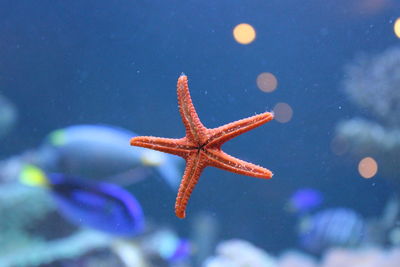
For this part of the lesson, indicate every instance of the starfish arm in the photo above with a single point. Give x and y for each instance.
(228, 131)
(194, 167)
(221, 160)
(179, 147)
(195, 130)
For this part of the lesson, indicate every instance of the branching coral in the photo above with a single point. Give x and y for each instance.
(373, 82)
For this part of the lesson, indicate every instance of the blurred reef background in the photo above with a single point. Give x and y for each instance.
(78, 79)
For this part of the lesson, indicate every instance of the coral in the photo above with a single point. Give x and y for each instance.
(372, 82)
(367, 136)
(344, 258)
(20, 207)
(296, 259)
(129, 253)
(38, 253)
(239, 253)
(371, 257)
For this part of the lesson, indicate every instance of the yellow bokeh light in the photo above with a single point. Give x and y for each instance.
(244, 33)
(367, 167)
(267, 82)
(283, 112)
(397, 27)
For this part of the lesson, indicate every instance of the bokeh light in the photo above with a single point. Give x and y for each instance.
(244, 33)
(397, 27)
(283, 112)
(267, 82)
(367, 167)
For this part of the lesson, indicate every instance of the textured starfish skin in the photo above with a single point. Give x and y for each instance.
(201, 147)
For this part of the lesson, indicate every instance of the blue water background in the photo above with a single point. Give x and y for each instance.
(117, 62)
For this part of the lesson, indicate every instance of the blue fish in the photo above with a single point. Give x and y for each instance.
(335, 227)
(102, 206)
(100, 151)
(304, 200)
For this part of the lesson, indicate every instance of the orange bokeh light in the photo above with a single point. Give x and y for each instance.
(368, 167)
(244, 33)
(267, 82)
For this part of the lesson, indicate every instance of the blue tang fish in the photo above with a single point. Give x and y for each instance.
(102, 206)
(335, 227)
(100, 151)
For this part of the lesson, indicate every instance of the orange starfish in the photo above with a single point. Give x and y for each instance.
(201, 147)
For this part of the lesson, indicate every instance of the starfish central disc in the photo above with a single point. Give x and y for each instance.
(201, 147)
